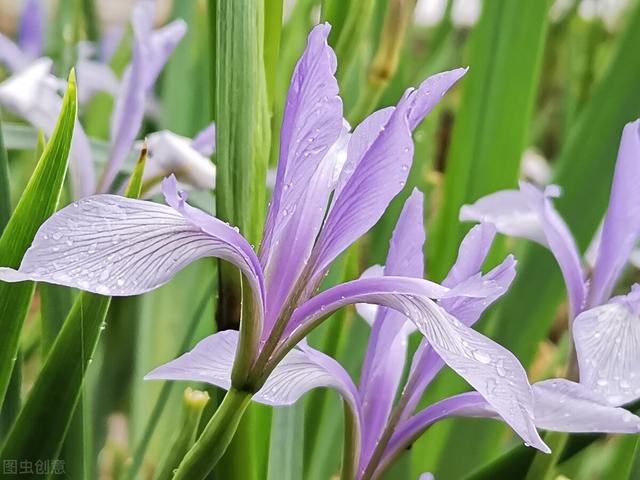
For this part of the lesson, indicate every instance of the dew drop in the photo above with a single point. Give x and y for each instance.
(481, 357)
(603, 382)
(500, 368)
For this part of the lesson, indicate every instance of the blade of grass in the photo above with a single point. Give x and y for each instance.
(38, 201)
(5, 189)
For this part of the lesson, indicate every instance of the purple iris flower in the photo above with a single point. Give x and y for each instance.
(605, 330)
(331, 187)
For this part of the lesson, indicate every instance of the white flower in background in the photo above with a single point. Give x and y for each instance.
(464, 13)
(535, 168)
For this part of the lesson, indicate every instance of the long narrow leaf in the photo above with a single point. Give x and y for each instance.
(37, 203)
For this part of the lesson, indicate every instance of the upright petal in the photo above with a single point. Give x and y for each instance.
(621, 226)
(607, 340)
(31, 29)
(529, 213)
(311, 125)
(151, 50)
(387, 349)
(301, 370)
(472, 253)
(117, 246)
(381, 170)
(94, 77)
(489, 368)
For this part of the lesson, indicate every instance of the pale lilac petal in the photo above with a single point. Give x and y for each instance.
(387, 349)
(621, 226)
(31, 29)
(383, 169)
(301, 370)
(566, 406)
(151, 51)
(426, 476)
(489, 368)
(529, 213)
(117, 246)
(170, 153)
(311, 125)
(205, 141)
(11, 55)
(607, 341)
(472, 253)
(510, 212)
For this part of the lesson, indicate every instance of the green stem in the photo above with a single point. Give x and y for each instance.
(544, 465)
(351, 447)
(215, 438)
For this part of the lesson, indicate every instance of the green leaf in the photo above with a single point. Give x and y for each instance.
(59, 383)
(38, 201)
(287, 443)
(490, 131)
(5, 189)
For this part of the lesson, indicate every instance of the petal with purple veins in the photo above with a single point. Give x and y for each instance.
(607, 340)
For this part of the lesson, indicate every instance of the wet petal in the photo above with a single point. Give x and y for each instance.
(383, 169)
(607, 340)
(301, 370)
(491, 369)
(117, 246)
(566, 406)
(311, 125)
(622, 222)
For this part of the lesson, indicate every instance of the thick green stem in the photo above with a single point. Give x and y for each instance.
(351, 447)
(215, 438)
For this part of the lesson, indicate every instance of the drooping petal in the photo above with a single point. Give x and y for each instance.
(33, 94)
(387, 349)
(151, 51)
(471, 255)
(301, 370)
(510, 212)
(117, 246)
(31, 29)
(607, 340)
(170, 153)
(529, 213)
(566, 406)
(426, 362)
(11, 55)
(381, 172)
(621, 226)
(489, 368)
(205, 140)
